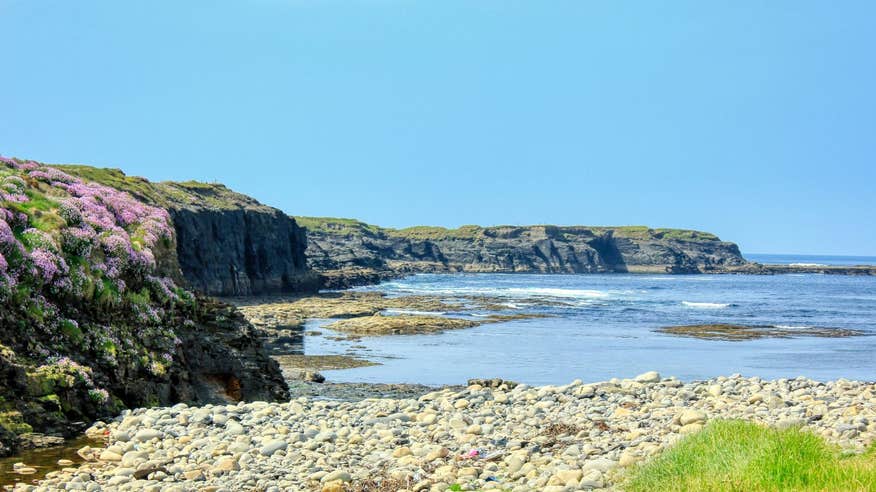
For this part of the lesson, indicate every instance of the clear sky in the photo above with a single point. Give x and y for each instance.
(755, 120)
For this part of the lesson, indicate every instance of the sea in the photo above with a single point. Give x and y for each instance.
(603, 326)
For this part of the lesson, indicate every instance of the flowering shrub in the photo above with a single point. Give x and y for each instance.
(78, 241)
(47, 264)
(163, 288)
(12, 189)
(78, 276)
(70, 211)
(66, 371)
(99, 396)
(35, 238)
(6, 235)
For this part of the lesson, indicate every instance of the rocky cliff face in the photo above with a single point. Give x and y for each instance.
(228, 244)
(369, 252)
(241, 250)
(92, 319)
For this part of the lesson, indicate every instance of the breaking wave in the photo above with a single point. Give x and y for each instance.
(705, 305)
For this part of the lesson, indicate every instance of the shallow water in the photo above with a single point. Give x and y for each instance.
(606, 329)
(44, 460)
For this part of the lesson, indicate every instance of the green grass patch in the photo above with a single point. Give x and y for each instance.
(136, 186)
(163, 194)
(645, 232)
(429, 232)
(742, 456)
(334, 225)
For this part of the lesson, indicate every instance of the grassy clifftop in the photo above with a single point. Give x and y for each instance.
(165, 194)
(339, 226)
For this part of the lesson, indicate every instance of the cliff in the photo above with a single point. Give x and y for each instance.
(349, 251)
(92, 319)
(228, 244)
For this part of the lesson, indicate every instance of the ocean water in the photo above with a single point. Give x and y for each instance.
(812, 259)
(603, 326)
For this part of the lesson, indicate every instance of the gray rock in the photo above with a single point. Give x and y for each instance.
(272, 447)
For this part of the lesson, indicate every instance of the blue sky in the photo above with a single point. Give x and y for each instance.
(754, 120)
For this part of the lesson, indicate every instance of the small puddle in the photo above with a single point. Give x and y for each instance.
(44, 460)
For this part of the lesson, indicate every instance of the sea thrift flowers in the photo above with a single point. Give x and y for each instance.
(47, 264)
(79, 276)
(6, 235)
(78, 241)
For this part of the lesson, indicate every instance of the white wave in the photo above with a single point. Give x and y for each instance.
(508, 292)
(705, 305)
(414, 313)
(547, 292)
(789, 327)
(511, 305)
(808, 265)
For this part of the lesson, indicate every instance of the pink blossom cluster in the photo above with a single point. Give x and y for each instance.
(164, 287)
(47, 265)
(36, 238)
(99, 395)
(51, 175)
(78, 241)
(98, 218)
(66, 365)
(6, 235)
(12, 189)
(147, 314)
(104, 238)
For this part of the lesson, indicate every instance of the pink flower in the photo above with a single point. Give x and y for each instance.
(51, 174)
(6, 235)
(47, 264)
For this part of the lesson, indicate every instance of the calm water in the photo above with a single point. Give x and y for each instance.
(45, 460)
(608, 330)
(812, 259)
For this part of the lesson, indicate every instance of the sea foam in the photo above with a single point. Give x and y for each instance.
(414, 312)
(705, 305)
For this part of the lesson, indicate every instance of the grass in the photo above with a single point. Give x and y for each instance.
(115, 178)
(164, 194)
(333, 225)
(645, 232)
(741, 456)
(429, 232)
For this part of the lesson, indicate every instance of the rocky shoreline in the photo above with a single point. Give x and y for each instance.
(491, 435)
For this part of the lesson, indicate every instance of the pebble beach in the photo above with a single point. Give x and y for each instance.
(493, 435)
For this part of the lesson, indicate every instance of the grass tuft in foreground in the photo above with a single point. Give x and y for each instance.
(742, 456)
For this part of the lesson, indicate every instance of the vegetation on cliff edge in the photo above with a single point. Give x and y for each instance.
(165, 194)
(339, 226)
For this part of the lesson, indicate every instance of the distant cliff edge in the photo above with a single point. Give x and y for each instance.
(349, 252)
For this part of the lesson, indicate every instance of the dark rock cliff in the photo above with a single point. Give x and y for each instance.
(367, 253)
(241, 251)
(228, 243)
(92, 317)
